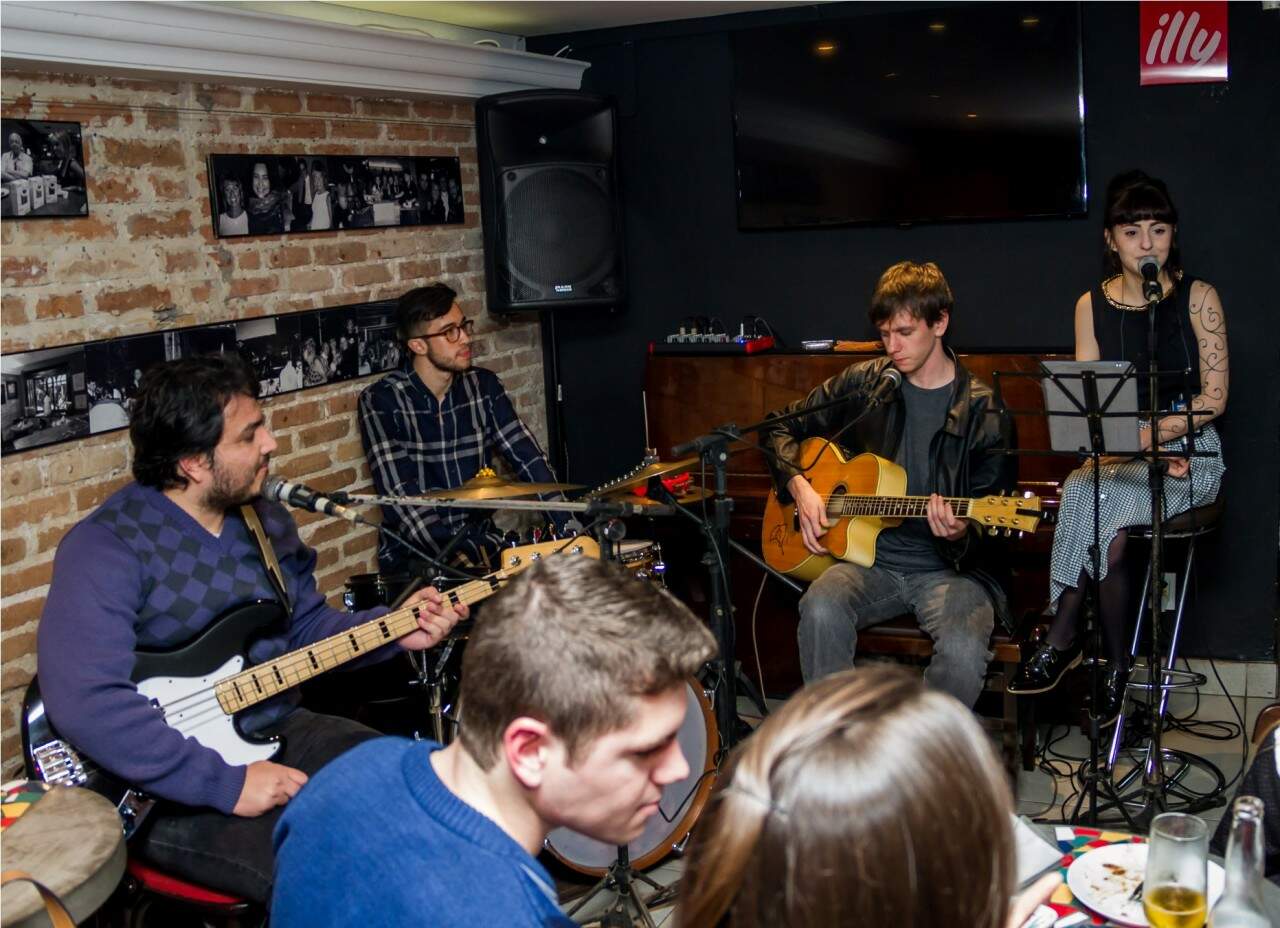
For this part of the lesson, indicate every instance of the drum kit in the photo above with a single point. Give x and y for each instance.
(436, 673)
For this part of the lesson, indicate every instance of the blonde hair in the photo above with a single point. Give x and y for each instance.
(866, 800)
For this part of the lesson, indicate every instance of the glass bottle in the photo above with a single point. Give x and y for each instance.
(1241, 902)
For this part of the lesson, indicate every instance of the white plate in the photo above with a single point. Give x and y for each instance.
(1104, 878)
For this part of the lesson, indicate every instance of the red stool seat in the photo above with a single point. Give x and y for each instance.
(154, 881)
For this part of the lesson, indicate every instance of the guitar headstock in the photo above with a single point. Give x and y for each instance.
(517, 559)
(1010, 513)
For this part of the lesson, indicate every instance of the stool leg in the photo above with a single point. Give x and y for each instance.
(1117, 735)
(1177, 619)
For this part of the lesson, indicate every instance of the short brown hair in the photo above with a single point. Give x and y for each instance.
(920, 289)
(868, 775)
(572, 641)
(422, 304)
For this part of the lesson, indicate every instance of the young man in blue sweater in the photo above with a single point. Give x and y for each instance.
(573, 688)
(154, 567)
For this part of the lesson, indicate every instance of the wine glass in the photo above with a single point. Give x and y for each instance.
(1175, 889)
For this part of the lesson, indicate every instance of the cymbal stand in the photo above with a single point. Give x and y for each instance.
(626, 906)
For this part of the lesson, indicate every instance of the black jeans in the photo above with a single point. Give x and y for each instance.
(231, 853)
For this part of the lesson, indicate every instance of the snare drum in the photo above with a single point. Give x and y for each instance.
(681, 804)
(644, 558)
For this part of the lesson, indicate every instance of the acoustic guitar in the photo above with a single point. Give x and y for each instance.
(864, 496)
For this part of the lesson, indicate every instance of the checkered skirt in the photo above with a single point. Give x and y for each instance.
(1125, 501)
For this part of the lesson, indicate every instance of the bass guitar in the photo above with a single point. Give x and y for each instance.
(200, 687)
(864, 496)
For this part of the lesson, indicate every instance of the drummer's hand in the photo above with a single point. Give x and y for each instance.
(1178, 467)
(267, 785)
(812, 512)
(942, 521)
(1024, 904)
(434, 621)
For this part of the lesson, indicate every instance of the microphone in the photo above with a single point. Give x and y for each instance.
(1150, 268)
(295, 494)
(890, 381)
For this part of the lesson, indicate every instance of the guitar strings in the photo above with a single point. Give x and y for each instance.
(204, 705)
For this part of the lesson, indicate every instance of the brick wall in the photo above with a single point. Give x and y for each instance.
(146, 259)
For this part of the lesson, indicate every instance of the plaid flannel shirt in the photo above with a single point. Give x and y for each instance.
(416, 443)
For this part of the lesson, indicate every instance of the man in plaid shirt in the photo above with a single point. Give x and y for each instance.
(434, 424)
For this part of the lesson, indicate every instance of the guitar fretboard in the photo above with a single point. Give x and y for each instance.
(265, 680)
(895, 507)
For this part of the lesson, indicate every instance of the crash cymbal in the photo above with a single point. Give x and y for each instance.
(488, 485)
(644, 473)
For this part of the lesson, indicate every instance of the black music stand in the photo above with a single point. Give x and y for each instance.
(1092, 407)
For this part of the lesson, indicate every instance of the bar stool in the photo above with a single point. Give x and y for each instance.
(145, 887)
(1188, 527)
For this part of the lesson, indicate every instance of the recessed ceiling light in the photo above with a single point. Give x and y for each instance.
(937, 27)
(825, 48)
(1030, 21)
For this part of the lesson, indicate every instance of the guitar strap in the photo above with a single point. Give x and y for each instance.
(268, 555)
(53, 906)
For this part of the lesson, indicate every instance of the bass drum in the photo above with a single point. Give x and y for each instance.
(682, 802)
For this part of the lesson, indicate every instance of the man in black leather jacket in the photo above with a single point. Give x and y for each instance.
(945, 428)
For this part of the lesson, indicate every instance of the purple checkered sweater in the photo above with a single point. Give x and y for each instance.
(141, 573)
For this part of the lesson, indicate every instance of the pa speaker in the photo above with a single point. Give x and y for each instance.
(549, 200)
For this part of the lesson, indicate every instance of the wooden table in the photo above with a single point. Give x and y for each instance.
(72, 842)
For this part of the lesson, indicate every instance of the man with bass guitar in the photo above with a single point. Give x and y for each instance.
(943, 427)
(169, 559)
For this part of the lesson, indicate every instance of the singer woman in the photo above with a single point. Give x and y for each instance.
(1111, 323)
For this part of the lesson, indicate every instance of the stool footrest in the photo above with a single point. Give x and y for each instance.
(1173, 680)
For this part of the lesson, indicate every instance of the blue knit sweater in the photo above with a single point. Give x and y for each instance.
(376, 839)
(140, 572)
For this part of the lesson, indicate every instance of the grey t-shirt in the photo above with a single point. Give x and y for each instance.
(911, 547)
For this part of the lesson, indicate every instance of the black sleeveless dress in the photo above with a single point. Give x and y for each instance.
(1126, 497)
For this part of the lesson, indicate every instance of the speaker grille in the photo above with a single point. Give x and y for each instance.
(559, 231)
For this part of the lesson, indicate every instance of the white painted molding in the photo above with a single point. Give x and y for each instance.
(230, 45)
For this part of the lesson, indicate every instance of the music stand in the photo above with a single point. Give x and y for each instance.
(1089, 440)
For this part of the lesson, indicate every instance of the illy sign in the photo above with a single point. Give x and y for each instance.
(1182, 43)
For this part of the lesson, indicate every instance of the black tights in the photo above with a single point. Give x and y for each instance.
(1113, 604)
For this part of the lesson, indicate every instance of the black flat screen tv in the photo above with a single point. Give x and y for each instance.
(957, 113)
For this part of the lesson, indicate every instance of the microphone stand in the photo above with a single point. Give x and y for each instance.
(713, 447)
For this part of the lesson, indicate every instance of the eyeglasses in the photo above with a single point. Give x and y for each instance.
(451, 333)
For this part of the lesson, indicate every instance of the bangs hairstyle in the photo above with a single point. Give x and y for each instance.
(419, 306)
(572, 641)
(920, 289)
(178, 413)
(1137, 197)
(865, 800)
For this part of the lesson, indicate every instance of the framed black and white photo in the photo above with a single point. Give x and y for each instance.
(41, 403)
(279, 194)
(58, 394)
(42, 170)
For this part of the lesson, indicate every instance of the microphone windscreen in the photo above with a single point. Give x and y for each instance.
(1149, 266)
(273, 488)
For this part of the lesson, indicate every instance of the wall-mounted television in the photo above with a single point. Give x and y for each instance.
(954, 113)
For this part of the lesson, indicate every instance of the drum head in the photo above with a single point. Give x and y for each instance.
(678, 810)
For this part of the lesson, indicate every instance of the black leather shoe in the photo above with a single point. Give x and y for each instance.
(1041, 672)
(1114, 683)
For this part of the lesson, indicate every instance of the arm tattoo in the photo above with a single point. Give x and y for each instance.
(1210, 325)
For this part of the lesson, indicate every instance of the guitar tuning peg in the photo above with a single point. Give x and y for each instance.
(993, 531)
(1008, 532)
